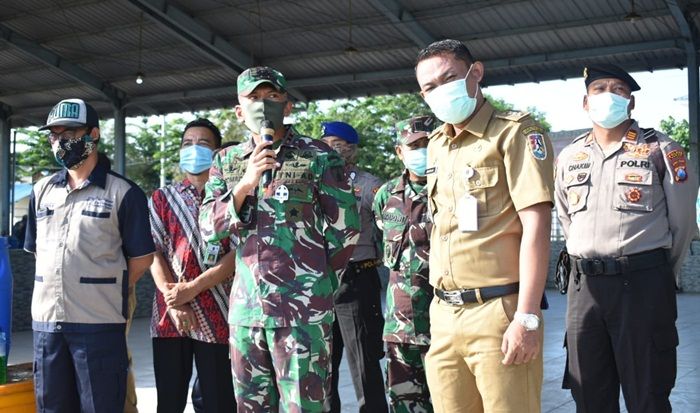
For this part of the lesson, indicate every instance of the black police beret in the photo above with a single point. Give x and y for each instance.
(607, 70)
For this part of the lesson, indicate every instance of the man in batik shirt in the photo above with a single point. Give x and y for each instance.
(293, 237)
(191, 299)
(401, 211)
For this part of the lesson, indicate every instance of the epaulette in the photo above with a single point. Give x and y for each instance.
(434, 132)
(649, 134)
(581, 136)
(512, 115)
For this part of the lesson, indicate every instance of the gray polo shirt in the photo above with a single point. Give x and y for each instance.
(83, 239)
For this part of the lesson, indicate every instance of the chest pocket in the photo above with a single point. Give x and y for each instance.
(634, 190)
(481, 185)
(577, 189)
(296, 199)
(393, 239)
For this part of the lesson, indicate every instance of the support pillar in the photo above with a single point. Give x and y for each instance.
(120, 140)
(5, 172)
(693, 96)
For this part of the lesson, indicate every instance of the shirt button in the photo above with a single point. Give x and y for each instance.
(453, 146)
(449, 208)
(478, 182)
(449, 175)
(444, 237)
(58, 327)
(446, 272)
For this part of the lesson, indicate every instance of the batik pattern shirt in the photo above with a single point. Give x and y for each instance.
(401, 211)
(293, 239)
(174, 210)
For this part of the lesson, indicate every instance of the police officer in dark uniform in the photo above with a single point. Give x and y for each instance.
(626, 201)
(358, 311)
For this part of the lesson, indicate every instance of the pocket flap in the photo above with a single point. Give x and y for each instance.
(484, 177)
(634, 176)
(666, 339)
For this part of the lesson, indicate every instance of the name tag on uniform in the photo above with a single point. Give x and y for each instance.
(467, 213)
(431, 170)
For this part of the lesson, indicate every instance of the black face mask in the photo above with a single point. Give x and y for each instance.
(71, 153)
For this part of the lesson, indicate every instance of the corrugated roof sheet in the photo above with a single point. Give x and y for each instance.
(327, 48)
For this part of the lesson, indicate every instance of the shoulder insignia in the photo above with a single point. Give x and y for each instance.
(535, 141)
(649, 135)
(581, 136)
(677, 162)
(512, 115)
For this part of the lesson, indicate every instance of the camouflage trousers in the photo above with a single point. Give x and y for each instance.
(284, 369)
(405, 378)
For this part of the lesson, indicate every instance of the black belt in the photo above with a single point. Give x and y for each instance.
(476, 295)
(618, 265)
(365, 264)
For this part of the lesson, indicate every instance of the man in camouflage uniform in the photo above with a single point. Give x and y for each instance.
(293, 238)
(358, 307)
(401, 210)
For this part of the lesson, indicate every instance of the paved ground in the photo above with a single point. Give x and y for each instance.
(685, 397)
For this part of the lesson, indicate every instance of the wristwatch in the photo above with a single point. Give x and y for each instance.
(530, 321)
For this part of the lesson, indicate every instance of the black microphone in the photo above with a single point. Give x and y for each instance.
(267, 132)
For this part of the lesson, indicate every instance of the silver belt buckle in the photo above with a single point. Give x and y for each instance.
(453, 297)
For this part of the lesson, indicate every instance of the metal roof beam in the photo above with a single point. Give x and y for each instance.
(195, 33)
(409, 73)
(404, 21)
(679, 17)
(54, 60)
(200, 36)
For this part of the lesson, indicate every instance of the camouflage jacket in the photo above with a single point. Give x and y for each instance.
(402, 215)
(292, 239)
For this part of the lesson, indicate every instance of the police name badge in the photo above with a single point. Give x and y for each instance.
(212, 254)
(467, 208)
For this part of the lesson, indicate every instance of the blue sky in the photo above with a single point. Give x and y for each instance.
(561, 100)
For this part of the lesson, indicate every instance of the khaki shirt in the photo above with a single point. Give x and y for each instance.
(629, 200)
(83, 239)
(504, 160)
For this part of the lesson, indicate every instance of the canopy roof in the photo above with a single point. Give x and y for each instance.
(190, 51)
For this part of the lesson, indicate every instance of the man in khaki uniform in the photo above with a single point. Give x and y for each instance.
(490, 192)
(626, 201)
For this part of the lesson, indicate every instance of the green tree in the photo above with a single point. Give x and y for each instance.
(374, 118)
(226, 121)
(677, 130)
(34, 155)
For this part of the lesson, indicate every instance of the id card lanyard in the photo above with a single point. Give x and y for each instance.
(467, 206)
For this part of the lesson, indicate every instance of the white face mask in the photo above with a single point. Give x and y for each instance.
(450, 102)
(608, 110)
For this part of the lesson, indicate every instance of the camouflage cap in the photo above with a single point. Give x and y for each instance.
(410, 130)
(254, 76)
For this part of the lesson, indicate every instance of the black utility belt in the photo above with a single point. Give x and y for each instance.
(365, 264)
(619, 265)
(476, 295)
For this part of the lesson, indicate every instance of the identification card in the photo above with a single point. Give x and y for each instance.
(212, 254)
(467, 213)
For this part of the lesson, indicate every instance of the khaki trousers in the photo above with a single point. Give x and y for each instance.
(463, 365)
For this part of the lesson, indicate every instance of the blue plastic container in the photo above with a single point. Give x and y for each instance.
(5, 293)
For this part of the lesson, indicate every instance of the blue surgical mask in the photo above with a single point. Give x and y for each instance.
(608, 110)
(416, 160)
(450, 102)
(195, 159)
